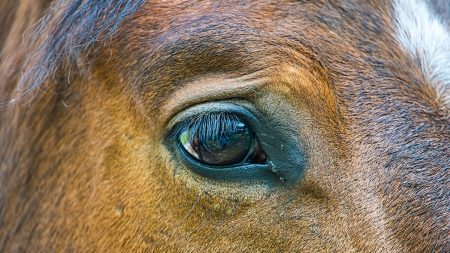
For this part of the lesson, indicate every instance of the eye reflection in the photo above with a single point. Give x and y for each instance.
(220, 140)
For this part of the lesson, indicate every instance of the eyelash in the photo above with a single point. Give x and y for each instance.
(208, 126)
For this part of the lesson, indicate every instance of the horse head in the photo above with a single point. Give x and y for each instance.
(247, 126)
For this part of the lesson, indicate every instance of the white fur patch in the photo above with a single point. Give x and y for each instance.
(423, 35)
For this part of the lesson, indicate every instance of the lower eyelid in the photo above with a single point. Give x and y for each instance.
(248, 173)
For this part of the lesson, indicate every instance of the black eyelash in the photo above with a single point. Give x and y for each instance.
(209, 126)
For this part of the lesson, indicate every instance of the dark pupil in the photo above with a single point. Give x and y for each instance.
(227, 147)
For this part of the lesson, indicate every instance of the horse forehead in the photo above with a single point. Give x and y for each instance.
(414, 30)
(247, 28)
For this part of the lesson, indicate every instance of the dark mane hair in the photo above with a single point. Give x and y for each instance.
(70, 29)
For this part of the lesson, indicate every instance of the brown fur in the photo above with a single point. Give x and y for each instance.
(85, 168)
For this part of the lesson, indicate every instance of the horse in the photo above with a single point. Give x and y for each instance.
(224, 126)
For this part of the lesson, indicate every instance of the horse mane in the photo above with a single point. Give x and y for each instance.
(67, 30)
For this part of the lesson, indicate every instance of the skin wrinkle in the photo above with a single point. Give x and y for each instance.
(97, 175)
(210, 88)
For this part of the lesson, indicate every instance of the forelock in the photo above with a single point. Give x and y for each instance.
(70, 29)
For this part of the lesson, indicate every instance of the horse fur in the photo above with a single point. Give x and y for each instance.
(89, 88)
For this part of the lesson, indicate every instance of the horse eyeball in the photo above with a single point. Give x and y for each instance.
(228, 145)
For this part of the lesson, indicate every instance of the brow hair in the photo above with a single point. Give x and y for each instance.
(70, 29)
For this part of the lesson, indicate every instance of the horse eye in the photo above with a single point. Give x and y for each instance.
(221, 140)
(227, 142)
